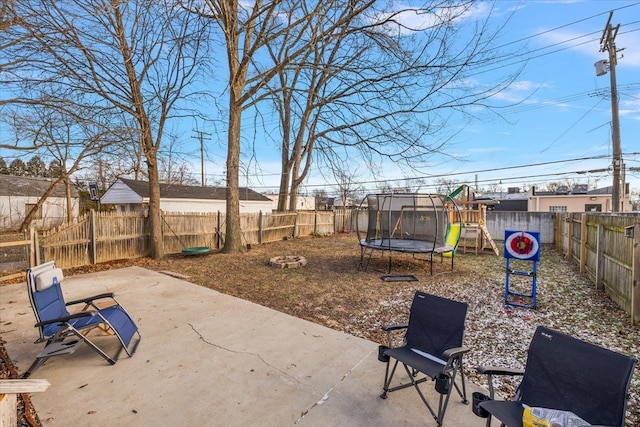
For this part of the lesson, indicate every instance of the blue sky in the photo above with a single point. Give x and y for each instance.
(560, 128)
(561, 123)
(566, 116)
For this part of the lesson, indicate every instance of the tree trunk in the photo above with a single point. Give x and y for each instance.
(284, 187)
(29, 217)
(67, 188)
(233, 237)
(156, 243)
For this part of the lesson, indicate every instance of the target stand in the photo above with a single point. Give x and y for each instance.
(522, 246)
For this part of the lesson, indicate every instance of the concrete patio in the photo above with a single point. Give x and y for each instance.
(211, 359)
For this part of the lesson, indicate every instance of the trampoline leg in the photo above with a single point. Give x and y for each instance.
(431, 265)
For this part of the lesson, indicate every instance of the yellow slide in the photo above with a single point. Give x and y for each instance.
(452, 237)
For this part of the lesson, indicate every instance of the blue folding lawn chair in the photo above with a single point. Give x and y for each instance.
(63, 331)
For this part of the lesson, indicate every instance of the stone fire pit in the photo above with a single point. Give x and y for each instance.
(288, 261)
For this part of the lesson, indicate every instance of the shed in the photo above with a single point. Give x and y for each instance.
(18, 194)
(129, 195)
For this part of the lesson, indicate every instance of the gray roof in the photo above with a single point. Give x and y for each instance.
(603, 190)
(26, 186)
(176, 191)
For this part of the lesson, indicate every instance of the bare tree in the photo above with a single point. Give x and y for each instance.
(375, 87)
(173, 167)
(68, 142)
(446, 186)
(248, 29)
(134, 57)
(348, 186)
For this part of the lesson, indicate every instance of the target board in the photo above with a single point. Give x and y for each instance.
(523, 245)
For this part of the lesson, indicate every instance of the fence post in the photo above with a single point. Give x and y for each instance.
(635, 276)
(93, 258)
(260, 227)
(32, 247)
(295, 224)
(218, 230)
(570, 238)
(335, 222)
(559, 224)
(36, 248)
(600, 257)
(162, 223)
(583, 243)
(315, 223)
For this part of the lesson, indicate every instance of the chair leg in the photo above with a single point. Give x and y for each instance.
(35, 365)
(444, 395)
(95, 347)
(463, 395)
(387, 378)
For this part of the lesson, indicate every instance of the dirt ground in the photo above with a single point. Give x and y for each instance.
(331, 290)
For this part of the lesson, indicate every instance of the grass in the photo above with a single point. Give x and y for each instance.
(332, 291)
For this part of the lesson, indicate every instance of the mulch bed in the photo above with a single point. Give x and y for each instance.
(27, 415)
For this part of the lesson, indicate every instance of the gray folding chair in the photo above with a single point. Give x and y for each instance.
(432, 350)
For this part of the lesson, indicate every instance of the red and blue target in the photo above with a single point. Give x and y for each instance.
(524, 245)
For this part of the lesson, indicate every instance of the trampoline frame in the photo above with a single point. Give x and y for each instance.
(384, 240)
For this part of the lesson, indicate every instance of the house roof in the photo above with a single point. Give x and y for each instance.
(176, 191)
(26, 186)
(597, 191)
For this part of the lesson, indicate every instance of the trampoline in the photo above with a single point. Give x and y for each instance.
(417, 224)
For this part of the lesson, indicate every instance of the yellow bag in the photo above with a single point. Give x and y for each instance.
(544, 417)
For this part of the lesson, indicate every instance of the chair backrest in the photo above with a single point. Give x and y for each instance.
(435, 324)
(566, 373)
(45, 294)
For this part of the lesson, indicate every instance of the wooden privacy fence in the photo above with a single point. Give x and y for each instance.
(607, 249)
(107, 236)
(16, 250)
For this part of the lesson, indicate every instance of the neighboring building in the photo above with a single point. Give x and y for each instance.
(18, 194)
(324, 203)
(303, 203)
(339, 202)
(576, 199)
(129, 195)
(512, 200)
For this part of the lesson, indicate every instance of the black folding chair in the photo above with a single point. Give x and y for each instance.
(432, 347)
(567, 374)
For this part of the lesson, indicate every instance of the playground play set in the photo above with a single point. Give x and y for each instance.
(428, 225)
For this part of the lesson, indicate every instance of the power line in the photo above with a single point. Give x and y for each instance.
(479, 171)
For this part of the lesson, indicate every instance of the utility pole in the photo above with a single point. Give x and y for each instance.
(608, 44)
(202, 136)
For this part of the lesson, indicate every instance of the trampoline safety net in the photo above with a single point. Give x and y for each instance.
(409, 223)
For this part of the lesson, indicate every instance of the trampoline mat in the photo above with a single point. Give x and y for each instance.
(402, 245)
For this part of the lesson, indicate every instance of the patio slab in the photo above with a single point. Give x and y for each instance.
(207, 358)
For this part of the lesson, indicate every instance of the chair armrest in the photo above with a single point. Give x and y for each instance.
(66, 318)
(493, 370)
(455, 352)
(490, 371)
(92, 298)
(394, 327)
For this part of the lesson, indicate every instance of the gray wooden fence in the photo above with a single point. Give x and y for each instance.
(607, 249)
(605, 246)
(107, 236)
